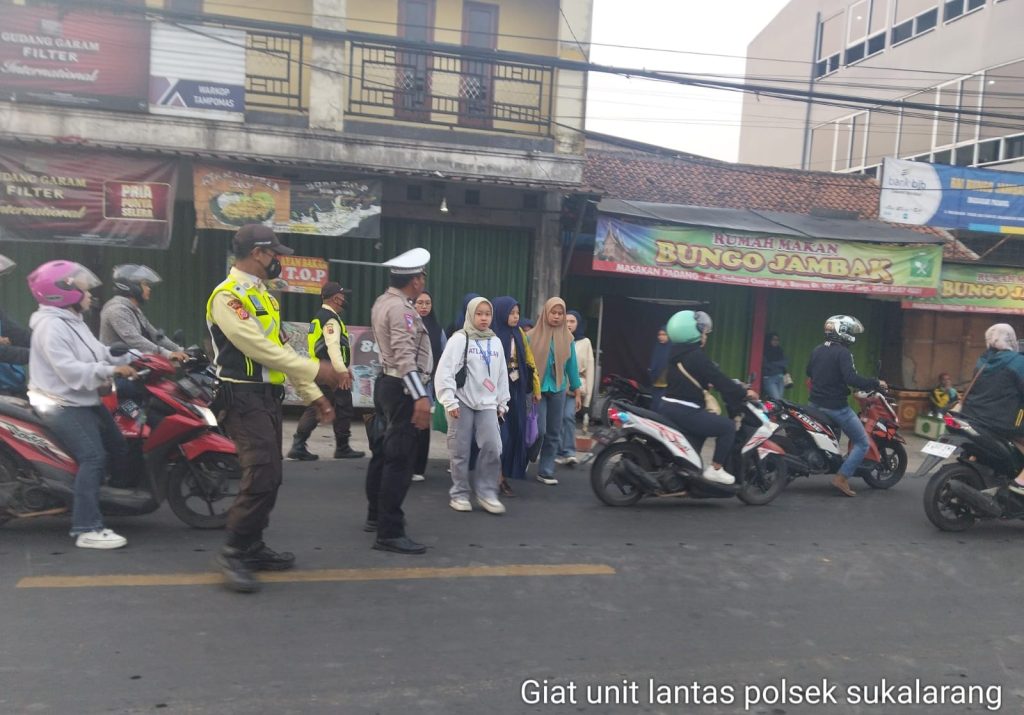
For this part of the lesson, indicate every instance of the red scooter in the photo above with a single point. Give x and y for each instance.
(176, 452)
(810, 439)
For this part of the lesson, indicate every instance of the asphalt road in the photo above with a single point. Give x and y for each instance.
(715, 600)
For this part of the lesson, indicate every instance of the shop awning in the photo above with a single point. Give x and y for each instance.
(775, 223)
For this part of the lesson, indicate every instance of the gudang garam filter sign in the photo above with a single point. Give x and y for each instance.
(739, 258)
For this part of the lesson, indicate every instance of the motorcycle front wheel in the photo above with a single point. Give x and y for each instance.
(607, 486)
(891, 468)
(200, 492)
(761, 487)
(943, 508)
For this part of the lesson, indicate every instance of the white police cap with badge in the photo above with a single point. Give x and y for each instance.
(410, 263)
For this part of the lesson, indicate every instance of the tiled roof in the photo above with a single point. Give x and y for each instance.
(629, 170)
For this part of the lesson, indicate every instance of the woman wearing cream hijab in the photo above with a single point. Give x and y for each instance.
(555, 353)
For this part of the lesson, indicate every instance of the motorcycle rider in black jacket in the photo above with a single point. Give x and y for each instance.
(831, 371)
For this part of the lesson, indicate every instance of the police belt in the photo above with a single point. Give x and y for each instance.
(391, 372)
(275, 391)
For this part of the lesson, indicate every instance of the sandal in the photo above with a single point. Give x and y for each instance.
(505, 488)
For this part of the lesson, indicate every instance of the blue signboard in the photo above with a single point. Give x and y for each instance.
(952, 197)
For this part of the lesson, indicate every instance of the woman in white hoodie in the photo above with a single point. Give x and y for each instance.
(67, 366)
(474, 408)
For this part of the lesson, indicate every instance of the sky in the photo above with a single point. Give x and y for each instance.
(698, 121)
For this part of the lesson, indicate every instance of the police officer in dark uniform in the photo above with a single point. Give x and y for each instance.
(253, 359)
(401, 400)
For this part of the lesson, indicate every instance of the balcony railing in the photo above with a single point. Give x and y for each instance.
(387, 82)
(274, 70)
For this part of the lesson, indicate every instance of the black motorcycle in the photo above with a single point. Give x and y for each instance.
(976, 485)
(619, 389)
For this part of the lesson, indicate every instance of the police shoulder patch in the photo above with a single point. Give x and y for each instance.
(410, 321)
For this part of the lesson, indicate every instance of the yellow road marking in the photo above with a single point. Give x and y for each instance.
(392, 574)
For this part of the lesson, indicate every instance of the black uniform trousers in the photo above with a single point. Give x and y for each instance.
(393, 444)
(253, 420)
(343, 414)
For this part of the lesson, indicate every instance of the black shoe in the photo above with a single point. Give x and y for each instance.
(301, 453)
(348, 453)
(237, 576)
(260, 557)
(400, 545)
(370, 525)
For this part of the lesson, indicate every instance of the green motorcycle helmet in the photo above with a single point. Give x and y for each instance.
(687, 326)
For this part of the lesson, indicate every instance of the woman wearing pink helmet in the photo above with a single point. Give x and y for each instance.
(67, 366)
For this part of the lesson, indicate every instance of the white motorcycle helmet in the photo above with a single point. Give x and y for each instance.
(843, 328)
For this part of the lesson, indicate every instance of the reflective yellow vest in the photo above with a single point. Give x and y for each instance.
(232, 363)
(315, 340)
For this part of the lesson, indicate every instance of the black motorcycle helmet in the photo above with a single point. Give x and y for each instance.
(129, 278)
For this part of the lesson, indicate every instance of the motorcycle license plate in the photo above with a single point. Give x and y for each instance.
(939, 449)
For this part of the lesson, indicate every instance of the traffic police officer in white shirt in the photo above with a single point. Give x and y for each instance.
(401, 400)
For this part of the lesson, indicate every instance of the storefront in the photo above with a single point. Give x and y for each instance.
(755, 272)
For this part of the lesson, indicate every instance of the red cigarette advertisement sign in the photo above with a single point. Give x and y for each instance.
(73, 57)
(76, 196)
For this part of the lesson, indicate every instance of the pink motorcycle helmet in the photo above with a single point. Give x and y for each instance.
(61, 283)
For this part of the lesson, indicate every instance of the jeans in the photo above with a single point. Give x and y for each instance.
(567, 446)
(772, 386)
(91, 437)
(656, 394)
(849, 423)
(551, 405)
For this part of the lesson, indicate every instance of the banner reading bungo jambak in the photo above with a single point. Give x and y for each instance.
(765, 261)
(976, 289)
(227, 199)
(58, 195)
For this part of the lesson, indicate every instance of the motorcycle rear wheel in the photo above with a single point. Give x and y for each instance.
(891, 468)
(201, 492)
(607, 488)
(761, 489)
(942, 507)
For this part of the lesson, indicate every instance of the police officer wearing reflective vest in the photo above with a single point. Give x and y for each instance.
(253, 359)
(401, 400)
(328, 340)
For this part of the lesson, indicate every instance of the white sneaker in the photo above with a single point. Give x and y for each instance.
(546, 480)
(718, 476)
(491, 506)
(103, 539)
(562, 460)
(460, 504)
(418, 478)
(573, 459)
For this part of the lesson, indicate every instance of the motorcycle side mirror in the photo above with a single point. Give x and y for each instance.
(119, 349)
(178, 338)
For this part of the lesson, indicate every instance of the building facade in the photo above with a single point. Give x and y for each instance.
(951, 75)
(455, 109)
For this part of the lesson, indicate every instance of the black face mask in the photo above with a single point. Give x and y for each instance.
(273, 268)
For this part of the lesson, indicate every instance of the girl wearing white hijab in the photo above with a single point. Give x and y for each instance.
(474, 408)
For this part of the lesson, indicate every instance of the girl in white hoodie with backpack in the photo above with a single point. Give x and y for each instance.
(472, 384)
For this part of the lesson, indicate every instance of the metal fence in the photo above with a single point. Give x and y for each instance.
(447, 89)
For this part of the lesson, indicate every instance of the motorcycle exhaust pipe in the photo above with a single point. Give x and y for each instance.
(981, 503)
(636, 476)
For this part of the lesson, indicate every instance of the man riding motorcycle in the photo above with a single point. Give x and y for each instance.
(122, 319)
(689, 372)
(831, 370)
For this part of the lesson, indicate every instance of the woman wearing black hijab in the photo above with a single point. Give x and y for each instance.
(657, 366)
(774, 368)
(425, 307)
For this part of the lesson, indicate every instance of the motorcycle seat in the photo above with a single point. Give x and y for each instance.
(650, 414)
(821, 417)
(18, 409)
